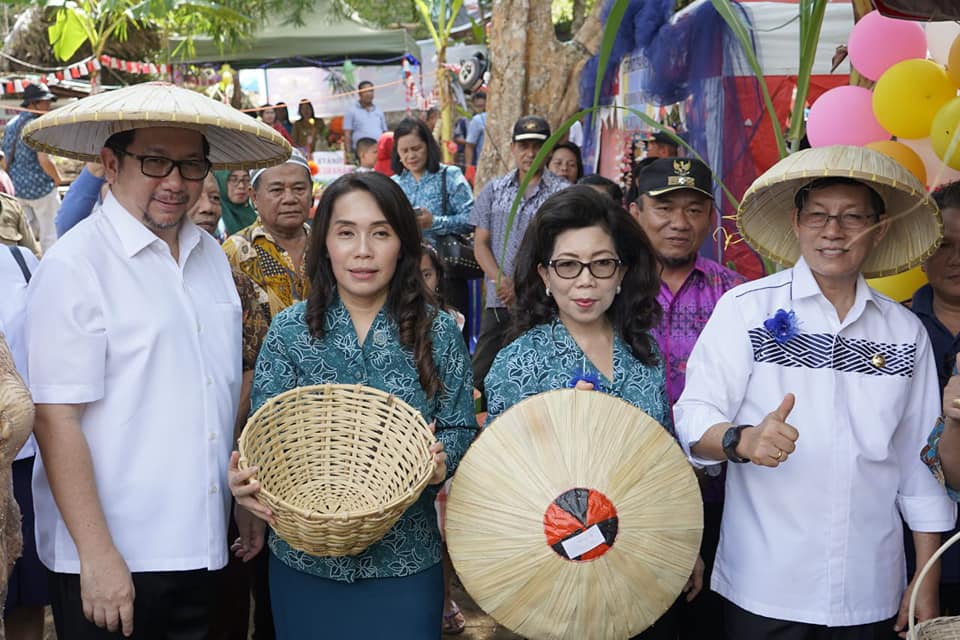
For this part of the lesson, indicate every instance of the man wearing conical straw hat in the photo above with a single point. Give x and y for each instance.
(133, 331)
(821, 393)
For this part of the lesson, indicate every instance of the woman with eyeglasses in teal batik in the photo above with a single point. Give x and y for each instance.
(586, 283)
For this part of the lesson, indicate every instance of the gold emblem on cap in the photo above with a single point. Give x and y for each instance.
(878, 360)
(679, 180)
(530, 125)
(681, 167)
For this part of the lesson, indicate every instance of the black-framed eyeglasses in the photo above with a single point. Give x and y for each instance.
(568, 269)
(161, 167)
(849, 221)
(239, 180)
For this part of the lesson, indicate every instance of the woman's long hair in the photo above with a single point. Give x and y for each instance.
(634, 311)
(407, 298)
(419, 128)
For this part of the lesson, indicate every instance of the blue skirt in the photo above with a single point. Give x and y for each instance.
(307, 607)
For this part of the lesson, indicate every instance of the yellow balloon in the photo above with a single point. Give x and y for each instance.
(908, 95)
(953, 62)
(903, 154)
(945, 126)
(901, 286)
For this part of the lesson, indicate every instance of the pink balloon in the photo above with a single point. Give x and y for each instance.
(844, 115)
(937, 172)
(877, 43)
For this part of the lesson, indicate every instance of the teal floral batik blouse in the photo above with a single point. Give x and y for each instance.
(547, 358)
(291, 357)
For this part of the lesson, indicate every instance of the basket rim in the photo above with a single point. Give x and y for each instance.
(316, 516)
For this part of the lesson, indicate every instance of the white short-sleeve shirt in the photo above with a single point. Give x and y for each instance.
(13, 307)
(819, 539)
(152, 347)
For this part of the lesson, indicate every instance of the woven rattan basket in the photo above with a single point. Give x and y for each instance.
(339, 464)
(947, 628)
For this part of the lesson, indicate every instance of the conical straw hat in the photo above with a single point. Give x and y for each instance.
(78, 130)
(582, 475)
(766, 212)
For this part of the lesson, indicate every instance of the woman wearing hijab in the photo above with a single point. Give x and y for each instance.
(238, 213)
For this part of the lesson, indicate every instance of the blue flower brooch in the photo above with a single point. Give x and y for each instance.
(783, 326)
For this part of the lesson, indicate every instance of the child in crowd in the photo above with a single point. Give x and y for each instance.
(366, 154)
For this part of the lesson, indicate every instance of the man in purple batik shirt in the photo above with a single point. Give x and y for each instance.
(673, 201)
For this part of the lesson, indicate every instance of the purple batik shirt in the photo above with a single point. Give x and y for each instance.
(684, 315)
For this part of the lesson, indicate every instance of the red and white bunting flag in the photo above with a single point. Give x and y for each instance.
(163, 69)
(17, 86)
(8, 87)
(43, 79)
(74, 72)
(59, 75)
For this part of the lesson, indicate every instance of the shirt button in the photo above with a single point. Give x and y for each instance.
(213, 489)
(213, 436)
(199, 328)
(209, 381)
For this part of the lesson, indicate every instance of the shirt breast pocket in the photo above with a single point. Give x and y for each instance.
(875, 421)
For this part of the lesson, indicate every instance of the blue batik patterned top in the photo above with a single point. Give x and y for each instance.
(428, 193)
(547, 358)
(291, 358)
(29, 178)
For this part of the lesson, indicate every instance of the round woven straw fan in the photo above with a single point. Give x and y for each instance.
(339, 464)
(574, 515)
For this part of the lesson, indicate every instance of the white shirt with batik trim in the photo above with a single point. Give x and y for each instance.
(152, 347)
(818, 539)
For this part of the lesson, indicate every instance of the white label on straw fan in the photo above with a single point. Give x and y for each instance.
(583, 542)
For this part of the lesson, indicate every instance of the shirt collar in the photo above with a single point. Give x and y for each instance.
(260, 231)
(135, 236)
(805, 285)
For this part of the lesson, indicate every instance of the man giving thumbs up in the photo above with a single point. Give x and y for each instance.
(811, 542)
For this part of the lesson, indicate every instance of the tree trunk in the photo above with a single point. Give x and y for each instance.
(531, 73)
(579, 15)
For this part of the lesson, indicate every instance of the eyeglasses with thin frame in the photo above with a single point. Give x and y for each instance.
(161, 167)
(239, 180)
(848, 221)
(568, 268)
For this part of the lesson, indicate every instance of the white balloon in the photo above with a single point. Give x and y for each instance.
(940, 36)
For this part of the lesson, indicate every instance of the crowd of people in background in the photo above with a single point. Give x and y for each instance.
(171, 301)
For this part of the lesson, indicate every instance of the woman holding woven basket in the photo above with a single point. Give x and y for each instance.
(369, 320)
(587, 282)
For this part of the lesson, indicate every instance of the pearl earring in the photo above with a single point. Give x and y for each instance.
(618, 290)
(548, 291)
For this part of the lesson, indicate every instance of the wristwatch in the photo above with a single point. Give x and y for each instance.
(731, 439)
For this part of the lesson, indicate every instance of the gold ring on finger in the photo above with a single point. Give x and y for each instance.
(779, 455)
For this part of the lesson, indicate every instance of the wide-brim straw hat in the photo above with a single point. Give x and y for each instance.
(574, 515)
(79, 130)
(765, 218)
